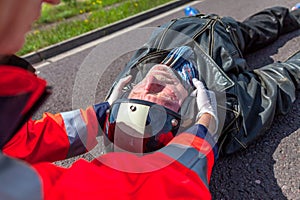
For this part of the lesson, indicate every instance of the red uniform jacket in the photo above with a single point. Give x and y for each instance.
(181, 170)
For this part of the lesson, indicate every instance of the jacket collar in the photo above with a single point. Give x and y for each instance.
(21, 93)
(16, 61)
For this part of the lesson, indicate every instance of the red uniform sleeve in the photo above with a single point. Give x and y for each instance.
(55, 137)
(151, 177)
(159, 175)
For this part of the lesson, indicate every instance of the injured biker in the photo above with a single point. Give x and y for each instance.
(150, 112)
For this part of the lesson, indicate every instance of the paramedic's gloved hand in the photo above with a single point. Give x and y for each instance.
(207, 103)
(117, 91)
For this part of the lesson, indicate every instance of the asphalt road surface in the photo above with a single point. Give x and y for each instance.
(268, 169)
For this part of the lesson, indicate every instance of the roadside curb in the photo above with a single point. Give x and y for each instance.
(53, 50)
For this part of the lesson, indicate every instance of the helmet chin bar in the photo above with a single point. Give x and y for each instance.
(130, 127)
(138, 126)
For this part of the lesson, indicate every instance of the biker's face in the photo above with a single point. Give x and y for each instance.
(160, 86)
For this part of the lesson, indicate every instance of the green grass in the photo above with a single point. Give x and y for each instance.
(64, 11)
(98, 14)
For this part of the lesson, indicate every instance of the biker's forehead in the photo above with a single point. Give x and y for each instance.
(162, 67)
(163, 70)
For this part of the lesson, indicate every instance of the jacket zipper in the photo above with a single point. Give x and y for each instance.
(211, 38)
(203, 29)
(164, 34)
(232, 37)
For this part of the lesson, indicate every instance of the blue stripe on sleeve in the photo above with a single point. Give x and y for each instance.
(100, 110)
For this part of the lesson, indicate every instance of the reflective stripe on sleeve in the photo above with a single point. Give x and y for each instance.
(189, 157)
(18, 181)
(76, 131)
(195, 149)
(82, 128)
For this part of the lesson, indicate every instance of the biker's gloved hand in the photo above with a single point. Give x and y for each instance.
(117, 91)
(207, 103)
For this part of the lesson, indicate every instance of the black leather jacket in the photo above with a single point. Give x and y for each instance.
(247, 99)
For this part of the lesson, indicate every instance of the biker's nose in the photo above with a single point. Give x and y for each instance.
(153, 85)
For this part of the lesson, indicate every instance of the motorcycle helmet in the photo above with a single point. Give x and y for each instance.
(141, 126)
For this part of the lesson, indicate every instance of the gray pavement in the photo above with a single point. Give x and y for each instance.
(268, 169)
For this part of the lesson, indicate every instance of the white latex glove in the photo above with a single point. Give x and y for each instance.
(117, 91)
(207, 103)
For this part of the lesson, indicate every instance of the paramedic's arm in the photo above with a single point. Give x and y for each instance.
(59, 136)
(185, 164)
